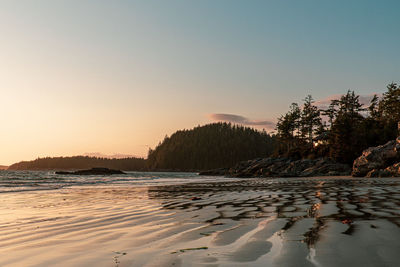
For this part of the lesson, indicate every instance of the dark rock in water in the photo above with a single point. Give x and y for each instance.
(378, 161)
(214, 172)
(93, 171)
(284, 167)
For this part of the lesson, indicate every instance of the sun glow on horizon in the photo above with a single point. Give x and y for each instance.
(115, 78)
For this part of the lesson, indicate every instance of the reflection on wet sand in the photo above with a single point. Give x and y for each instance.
(253, 222)
(304, 209)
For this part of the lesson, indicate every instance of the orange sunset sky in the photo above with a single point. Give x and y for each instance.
(117, 76)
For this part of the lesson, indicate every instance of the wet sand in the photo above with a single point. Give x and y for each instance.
(255, 222)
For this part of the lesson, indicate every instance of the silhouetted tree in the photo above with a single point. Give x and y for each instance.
(80, 162)
(310, 119)
(331, 112)
(350, 127)
(389, 108)
(210, 146)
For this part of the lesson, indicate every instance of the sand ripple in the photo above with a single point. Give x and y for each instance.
(254, 222)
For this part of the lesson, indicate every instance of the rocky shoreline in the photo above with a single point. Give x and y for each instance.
(284, 167)
(380, 161)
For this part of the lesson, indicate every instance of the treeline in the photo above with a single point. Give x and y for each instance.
(210, 146)
(342, 130)
(205, 147)
(80, 162)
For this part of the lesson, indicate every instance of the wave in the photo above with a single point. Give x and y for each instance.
(16, 181)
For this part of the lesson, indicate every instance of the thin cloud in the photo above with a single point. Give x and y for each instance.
(114, 156)
(325, 102)
(237, 119)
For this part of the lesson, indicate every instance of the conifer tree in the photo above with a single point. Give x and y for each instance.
(346, 129)
(310, 118)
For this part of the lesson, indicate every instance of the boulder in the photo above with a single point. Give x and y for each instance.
(377, 158)
(93, 171)
(394, 170)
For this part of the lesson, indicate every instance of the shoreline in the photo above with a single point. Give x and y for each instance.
(220, 179)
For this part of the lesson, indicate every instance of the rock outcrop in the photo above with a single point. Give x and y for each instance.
(283, 167)
(380, 161)
(93, 171)
(215, 172)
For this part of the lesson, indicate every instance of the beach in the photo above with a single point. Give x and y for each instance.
(335, 221)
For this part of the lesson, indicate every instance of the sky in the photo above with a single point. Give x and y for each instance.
(115, 77)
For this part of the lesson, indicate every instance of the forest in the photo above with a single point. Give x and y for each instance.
(342, 130)
(204, 147)
(210, 146)
(80, 162)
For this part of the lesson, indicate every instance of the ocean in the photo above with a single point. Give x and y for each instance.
(16, 181)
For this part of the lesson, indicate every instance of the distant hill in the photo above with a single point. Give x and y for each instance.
(80, 162)
(2, 167)
(205, 147)
(210, 146)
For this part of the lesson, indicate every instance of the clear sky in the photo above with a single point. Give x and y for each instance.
(117, 76)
